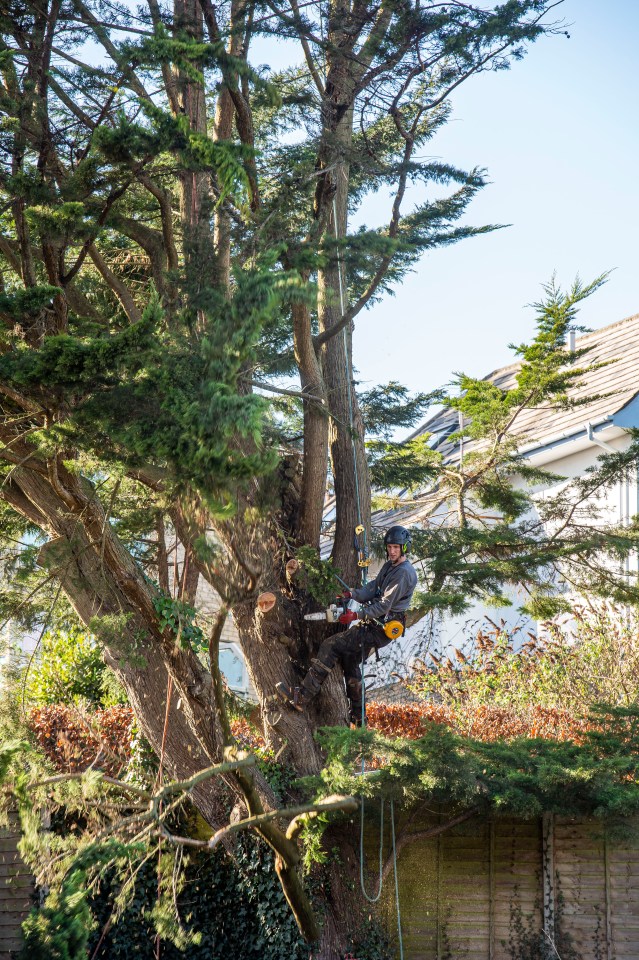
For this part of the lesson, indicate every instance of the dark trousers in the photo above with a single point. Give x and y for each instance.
(348, 648)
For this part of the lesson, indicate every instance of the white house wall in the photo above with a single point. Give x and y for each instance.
(616, 505)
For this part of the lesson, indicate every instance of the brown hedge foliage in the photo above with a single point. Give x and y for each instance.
(480, 723)
(74, 740)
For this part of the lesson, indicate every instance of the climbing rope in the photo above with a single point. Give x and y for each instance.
(360, 528)
(399, 913)
(375, 897)
(372, 898)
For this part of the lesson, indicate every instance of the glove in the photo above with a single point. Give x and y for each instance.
(348, 616)
(346, 595)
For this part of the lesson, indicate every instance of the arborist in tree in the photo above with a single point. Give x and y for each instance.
(384, 600)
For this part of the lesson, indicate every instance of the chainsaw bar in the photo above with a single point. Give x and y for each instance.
(315, 616)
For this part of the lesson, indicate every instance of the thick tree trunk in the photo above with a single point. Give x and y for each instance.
(316, 428)
(100, 580)
(348, 457)
(278, 644)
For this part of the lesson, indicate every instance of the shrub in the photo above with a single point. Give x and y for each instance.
(73, 739)
(569, 668)
(235, 907)
(67, 668)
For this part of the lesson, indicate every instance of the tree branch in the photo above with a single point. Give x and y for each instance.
(405, 837)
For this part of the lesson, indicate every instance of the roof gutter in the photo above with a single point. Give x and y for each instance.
(590, 433)
(535, 448)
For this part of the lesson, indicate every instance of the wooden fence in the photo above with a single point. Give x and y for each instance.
(16, 889)
(484, 890)
(481, 890)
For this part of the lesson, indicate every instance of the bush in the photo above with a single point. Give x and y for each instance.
(235, 906)
(67, 668)
(569, 668)
(60, 930)
(73, 740)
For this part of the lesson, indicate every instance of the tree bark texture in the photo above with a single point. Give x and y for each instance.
(346, 439)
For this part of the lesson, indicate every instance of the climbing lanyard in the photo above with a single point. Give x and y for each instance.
(362, 562)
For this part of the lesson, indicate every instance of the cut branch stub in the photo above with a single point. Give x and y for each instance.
(292, 568)
(266, 602)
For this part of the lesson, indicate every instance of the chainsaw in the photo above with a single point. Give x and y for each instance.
(332, 613)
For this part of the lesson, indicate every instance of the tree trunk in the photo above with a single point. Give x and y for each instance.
(111, 598)
(316, 428)
(348, 457)
(278, 644)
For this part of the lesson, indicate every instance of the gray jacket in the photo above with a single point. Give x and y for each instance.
(390, 592)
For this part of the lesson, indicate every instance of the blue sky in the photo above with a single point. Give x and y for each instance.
(558, 136)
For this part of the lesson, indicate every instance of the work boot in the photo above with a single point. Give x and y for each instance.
(355, 694)
(294, 697)
(299, 697)
(355, 713)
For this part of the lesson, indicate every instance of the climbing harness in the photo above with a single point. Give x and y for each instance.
(396, 629)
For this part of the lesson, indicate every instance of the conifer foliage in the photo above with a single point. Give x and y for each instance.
(174, 241)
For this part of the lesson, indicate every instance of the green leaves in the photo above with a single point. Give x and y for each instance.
(68, 668)
(9, 751)
(23, 306)
(133, 143)
(317, 576)
(495, 536)
(403, 466)
(79, 367)
(523, 777)
(149, 394)
(179, 618)
(60, 929)
(390, 406)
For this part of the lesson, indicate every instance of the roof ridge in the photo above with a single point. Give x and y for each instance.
(592, 334)
(609, 326)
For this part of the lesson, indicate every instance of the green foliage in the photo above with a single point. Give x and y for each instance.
(280, 778)
(231, 907)
(149, 395)
(178, 616)
(543, 374)
(526, 942)
(60, 930)
(27, 304)
(68, 668)
(129, 143)
(9, 751)
(78, 366)
(317, 575)
(389, 407)
(404, 465)
(372, 942)
(523, 777)
(498, 534)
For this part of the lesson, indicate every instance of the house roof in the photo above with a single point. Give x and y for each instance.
(613, 385)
